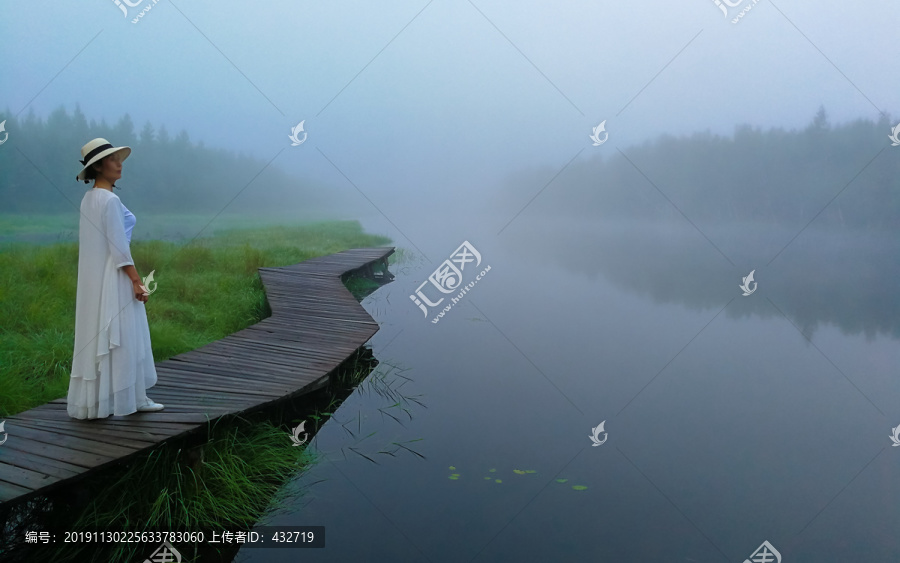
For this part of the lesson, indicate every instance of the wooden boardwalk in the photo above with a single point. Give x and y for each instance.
(316, 324)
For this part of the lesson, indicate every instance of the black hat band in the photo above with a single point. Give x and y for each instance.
(94, 153)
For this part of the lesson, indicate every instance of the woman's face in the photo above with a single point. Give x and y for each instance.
(111, 168)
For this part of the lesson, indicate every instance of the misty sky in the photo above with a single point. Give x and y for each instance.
(420, 102)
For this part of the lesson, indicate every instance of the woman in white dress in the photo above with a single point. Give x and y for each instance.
(112, 364)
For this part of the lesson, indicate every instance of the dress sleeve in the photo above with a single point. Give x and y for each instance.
(115, 233)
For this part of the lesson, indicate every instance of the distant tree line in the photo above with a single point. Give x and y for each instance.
(163, 174)
(773, 176)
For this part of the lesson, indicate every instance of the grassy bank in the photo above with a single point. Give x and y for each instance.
(206, 290)
(224, 476)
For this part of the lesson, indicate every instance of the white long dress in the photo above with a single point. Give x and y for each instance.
(112, 363)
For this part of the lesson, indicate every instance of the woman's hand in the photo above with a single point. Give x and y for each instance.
(140, 292)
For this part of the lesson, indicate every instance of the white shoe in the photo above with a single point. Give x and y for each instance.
(150, 406)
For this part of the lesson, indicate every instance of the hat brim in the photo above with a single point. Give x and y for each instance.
(124, 150)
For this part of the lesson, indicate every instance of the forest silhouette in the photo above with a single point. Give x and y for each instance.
(773, 177)
(162, 175)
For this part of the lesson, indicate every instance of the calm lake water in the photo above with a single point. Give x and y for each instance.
(729, 420)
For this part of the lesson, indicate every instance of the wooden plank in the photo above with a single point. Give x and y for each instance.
(137, 417)
(254, 339)
(275, 348)
(305, 310)
(306, 307)
(336, 294)
(288, 315)
(330, 328)
(84, 444)
(210, 385)
(207, 382)
(26, 478)
(224, 377)
(168, 429)
(117, 423)
(236, 365)
(8, 491)
(298, 333)
(96, 434)
(184, 407)
(126, 437)
(222, 372)
(275, 364)
(85, 460)
(290, 281)
(45, 465)
(199, 398)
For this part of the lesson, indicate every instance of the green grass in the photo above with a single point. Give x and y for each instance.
(205, 291)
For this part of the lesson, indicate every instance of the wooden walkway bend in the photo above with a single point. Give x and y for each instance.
(316, 324)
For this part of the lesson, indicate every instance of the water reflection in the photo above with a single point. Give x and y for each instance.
(848, 279)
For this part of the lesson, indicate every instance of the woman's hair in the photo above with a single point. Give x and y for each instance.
(91, 173)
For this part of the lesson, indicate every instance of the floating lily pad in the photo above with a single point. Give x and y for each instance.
(488, 478)
(492, 470)
(579, 487)
(519, 471)
(530, 471)
(561, 480)
(498, 480)
(454, 476)
(451, 467)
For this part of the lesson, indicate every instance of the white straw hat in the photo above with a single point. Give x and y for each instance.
(94, 150)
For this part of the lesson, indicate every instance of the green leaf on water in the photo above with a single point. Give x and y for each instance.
(488, 478)
(498, 480)
(492, 470)
(561, 480)
(451, 467)
(530, 471)
(454, 476)
(519, 471)
(579, 487)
